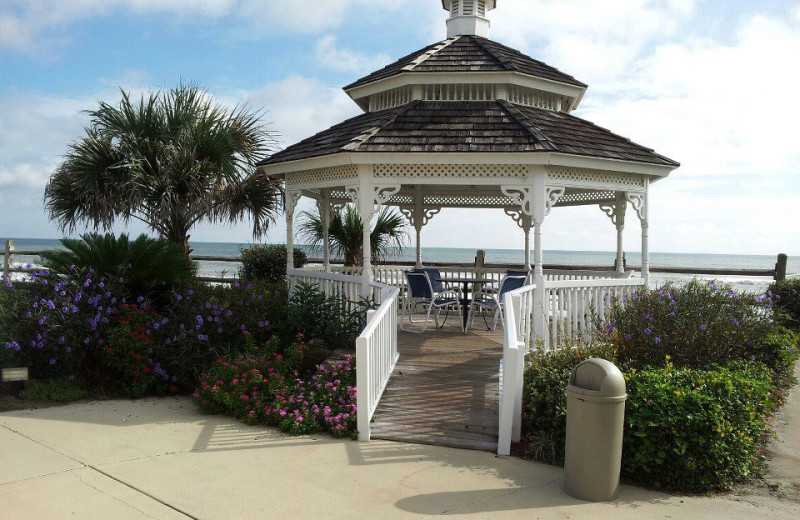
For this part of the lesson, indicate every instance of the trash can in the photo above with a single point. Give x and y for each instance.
(595, 419)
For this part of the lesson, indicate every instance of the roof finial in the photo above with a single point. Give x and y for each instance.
(468, 17)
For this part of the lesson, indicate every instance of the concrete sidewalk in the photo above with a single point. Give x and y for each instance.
(159, 458)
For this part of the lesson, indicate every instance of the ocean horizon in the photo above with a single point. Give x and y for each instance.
(501, 256)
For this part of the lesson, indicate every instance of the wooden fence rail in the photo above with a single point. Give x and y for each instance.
(777, 273)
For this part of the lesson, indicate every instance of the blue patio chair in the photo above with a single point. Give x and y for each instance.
(424, 288)
(492, 300)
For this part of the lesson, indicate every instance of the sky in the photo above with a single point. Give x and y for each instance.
(710, 83)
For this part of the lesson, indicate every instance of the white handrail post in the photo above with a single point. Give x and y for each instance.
(508, 395)
(8, 258)
(362, 385)
(519, 369)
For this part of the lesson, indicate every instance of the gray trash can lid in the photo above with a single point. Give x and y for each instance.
(597, 377)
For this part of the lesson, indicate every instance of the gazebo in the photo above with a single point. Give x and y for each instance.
(469, 123)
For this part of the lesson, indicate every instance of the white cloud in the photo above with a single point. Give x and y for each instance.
(35, 25)
(589, 39)
(299, 106)
(330, 55)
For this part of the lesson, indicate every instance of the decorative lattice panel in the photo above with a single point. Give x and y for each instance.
(579, 177)
(322, 175)
(466, 201)
(586, 197)
(453, 171)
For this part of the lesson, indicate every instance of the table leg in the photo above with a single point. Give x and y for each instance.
(465, 307)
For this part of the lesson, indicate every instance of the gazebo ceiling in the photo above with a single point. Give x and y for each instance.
(468, 126)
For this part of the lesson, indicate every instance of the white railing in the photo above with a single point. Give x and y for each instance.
(376, 357)
(343, 286)
(394, 274)
(517, 335)
(574, 309)
(376, 346)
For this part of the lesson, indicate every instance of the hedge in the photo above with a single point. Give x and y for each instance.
(268, 262)
(685, 429)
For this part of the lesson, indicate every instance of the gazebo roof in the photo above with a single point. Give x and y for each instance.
(468, 54)
(469, 126)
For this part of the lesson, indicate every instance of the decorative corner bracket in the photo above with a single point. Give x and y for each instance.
(551, 198)
(383, 194)
(424, 217)
(291, 199)
(522, 220)
(639, 203)
(522, 195)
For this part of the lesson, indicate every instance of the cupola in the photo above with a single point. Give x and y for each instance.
(468, 17)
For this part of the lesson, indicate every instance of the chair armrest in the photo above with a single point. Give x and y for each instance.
(456, 291)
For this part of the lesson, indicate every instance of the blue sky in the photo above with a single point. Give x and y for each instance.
(709, 83)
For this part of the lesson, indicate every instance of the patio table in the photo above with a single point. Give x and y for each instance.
(465, 299)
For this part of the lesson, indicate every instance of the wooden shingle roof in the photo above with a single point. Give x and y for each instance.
(468, 54)
(469, 126)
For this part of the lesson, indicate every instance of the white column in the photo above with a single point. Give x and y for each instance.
(645, 218)
(418, 229)
(325, 216)
(619, 209)
(527, 230)
(291, 202)
(418, 221)
(366, 208)
(641, 203)
(525, 222)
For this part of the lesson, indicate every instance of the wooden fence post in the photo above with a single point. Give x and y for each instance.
(780, 268)
(8, 257)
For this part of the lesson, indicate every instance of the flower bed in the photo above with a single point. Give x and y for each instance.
(269, 390)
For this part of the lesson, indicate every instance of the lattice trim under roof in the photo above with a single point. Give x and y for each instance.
(479, 198)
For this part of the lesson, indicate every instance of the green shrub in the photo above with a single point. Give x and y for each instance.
(146, 266)
(697, 325)
(57, 390)
(779, 351)
(331, 319)
(787, 301)
(124, 365)
(51, 323)
(544, 415)
(268, 263)
(685, 429)
(695, 430)
(202, 323)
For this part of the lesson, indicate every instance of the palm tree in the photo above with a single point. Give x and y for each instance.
(172, 160)
(346, 232)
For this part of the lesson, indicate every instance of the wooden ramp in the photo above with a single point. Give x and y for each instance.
(444, 390)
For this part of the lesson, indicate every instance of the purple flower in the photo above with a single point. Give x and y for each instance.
(628, 337)
(52, 361)
(703, 327)
(657, 340)
(648, 331)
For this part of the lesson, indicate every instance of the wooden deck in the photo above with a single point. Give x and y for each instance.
(444, 390)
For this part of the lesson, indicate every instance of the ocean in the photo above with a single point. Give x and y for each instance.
(502, 256)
